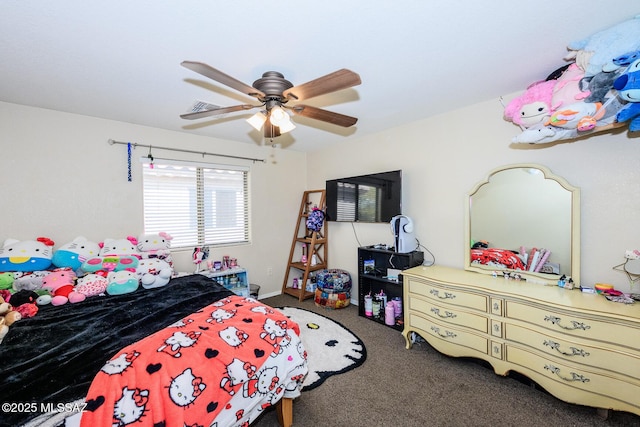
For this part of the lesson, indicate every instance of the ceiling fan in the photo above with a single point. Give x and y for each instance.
(274, 92)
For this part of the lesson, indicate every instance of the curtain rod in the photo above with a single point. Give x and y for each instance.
(203, 153)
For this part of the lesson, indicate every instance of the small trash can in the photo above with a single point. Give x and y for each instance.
(254, 290)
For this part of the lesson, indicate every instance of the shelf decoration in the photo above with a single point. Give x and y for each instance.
(596, 91)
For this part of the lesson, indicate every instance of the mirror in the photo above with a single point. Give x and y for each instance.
(518, 208)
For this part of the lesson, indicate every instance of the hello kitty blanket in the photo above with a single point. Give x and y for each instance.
(220, 366)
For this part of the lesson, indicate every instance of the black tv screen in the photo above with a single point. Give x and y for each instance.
(366, 198)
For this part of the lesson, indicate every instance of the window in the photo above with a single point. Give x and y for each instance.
(197, 203)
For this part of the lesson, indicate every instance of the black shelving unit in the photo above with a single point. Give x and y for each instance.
(373, 279)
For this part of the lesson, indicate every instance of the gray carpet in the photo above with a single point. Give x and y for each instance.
(422, 387)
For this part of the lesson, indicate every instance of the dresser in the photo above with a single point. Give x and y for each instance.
(580, 347)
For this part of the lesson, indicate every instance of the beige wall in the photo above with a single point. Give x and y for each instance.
(60, 178)
(443, 157)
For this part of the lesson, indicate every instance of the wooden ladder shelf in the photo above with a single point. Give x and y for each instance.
(314, 244)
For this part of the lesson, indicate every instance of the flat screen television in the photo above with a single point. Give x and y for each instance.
(367, 198)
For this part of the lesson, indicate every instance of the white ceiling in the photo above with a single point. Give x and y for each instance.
(120, 60)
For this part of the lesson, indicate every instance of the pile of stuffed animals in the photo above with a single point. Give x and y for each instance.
(598, 89)
(33, 273)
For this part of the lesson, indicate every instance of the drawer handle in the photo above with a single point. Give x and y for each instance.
(574, 324)
(447, 334)
(574, 351)
(446, 315)
(447, 295)
(574, 376)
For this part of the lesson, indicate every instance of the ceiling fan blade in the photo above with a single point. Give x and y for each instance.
(324, 115)
(337, 80)
(219, 76)
(216, 111)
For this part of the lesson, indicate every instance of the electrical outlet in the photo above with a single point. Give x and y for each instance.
(269, 271)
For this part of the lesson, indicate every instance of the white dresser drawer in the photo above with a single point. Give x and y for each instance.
(449, 314)
(578, 351)
(601, 329)
(447, 333)
(594, 388)
(440, 293)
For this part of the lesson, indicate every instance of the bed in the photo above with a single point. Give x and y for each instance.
(188, 353)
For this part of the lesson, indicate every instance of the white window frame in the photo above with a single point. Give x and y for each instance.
(191, 211)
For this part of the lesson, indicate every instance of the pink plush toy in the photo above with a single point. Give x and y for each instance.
(533, 106)
(89, 285)
(567, 88)
(60, 283)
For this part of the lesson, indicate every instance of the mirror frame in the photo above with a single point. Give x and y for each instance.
(575, 228)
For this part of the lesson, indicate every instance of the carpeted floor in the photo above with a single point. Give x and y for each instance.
(422, 387)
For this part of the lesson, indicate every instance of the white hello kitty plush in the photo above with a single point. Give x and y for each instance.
(26, 255)
(153, 272)
(156, 245)
(127, 246)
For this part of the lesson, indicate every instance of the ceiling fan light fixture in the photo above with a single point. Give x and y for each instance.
(257, 120)
(278, 116)
(286, 126)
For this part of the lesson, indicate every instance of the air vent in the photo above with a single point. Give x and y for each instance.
(199, 106)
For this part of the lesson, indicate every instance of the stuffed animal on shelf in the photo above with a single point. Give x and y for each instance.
(122, 282)
(582, 116)
(127, 246)
(602, 47)
(26, 255)
(533, 106)
(628, 87)
(60, 283)
(153, 272)
(155, 245)
(74, 253)
(567, 89)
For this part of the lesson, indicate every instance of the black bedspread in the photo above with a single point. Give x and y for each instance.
(53, 357)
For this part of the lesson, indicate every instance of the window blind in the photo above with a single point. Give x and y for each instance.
(197, 203)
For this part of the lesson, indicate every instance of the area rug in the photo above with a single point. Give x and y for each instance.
(331, 348)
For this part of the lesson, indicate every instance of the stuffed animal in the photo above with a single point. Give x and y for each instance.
(533, 106)
(6, 280)
(628, 87)
(122, 282)
(25, 303)
(155, 246)
(567, 89)
(30, 280)
(153, 272)
(60, 283)
(27, 255)
(90, 285)
(8, 316)
(74, 253)
(602, 47)
(110, 263)
(126, 246)
(581, 116)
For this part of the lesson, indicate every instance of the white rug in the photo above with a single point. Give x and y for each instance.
(331, 348)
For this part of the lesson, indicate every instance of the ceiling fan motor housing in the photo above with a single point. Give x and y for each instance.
(273, 84)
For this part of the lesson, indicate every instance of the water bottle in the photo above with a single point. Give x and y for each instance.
(389, 314)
